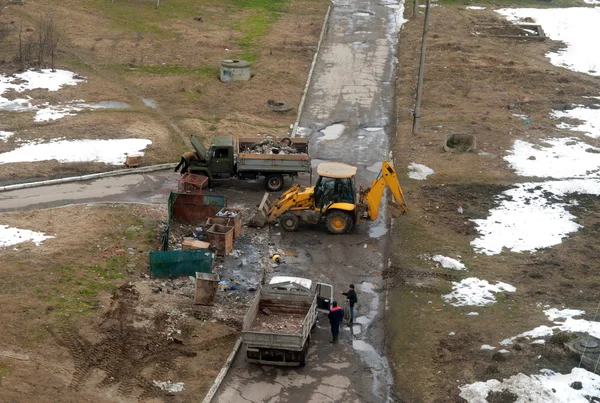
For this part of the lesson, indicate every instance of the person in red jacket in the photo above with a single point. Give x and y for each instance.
(336, 314)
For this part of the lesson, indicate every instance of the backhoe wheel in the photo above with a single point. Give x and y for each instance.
(289, 222)
(274, 182)
(338, 222)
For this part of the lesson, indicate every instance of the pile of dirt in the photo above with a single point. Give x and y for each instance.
(278, 323)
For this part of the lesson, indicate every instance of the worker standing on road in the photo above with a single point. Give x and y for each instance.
(352, 299)
(186, 160)
(336, 314)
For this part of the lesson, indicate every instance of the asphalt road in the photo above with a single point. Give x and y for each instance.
(349, 117)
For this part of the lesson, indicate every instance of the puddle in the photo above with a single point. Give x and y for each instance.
(382, 377)
(378, 230)
(376, 167)
(108, 105)
(108, 151)
(332, 132)
(12, 236)
(149, 103)
(367, 319)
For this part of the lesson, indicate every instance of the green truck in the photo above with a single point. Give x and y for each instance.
(223, 160)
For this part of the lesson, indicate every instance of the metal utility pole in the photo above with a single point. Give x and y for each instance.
(415, 8)
(417, 114)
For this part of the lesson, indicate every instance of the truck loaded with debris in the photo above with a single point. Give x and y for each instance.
(277, 327)
(252, 158)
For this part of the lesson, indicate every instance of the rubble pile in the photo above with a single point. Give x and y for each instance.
(228, 214)
(283, 324)
(270, 147)
(181, 231)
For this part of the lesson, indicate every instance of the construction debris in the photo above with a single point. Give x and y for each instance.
(269, 146)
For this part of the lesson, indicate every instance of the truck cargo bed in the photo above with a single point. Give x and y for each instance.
(281, 163)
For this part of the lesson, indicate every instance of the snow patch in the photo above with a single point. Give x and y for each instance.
(449, 263)
(108, 151)
(475, 8)
(4, 135)
(547, 387)
(168, 386)
(419, 171)
(475, 292)
(562, 158)
(12, 236)
(590, 117)
(577, 27)
(487, 347)
(531, 216)
(554, 313)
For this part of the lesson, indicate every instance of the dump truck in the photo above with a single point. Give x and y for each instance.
(224, 160)
(334, 200)
(277, 328)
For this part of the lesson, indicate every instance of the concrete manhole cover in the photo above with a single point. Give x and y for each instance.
(589, 343)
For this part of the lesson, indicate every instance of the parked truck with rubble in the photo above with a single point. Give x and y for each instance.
(252, 158)
(277, 328)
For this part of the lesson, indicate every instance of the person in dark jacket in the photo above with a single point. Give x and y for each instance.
(186, 160)
(352, 299)
(336, 314)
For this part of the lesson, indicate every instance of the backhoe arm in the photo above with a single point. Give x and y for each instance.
(372, 196)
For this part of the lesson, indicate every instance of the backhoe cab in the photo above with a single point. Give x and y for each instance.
(334, 199)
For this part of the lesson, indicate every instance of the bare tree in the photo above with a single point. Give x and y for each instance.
(53, 37)
(21, 66)
(41, 35)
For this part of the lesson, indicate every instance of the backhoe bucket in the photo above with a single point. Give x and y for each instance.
(259, 218)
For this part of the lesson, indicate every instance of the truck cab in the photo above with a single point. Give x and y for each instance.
(216, 162)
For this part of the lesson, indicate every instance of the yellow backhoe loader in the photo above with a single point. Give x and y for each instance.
(334, 199)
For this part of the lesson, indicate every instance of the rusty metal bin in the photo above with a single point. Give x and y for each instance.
(191, 183)
(235, 214)
(221, 238)
(207, 285)
(228, 222)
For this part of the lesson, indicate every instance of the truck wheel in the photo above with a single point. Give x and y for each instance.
(289, 222)
(338, 222)
(274, 182)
